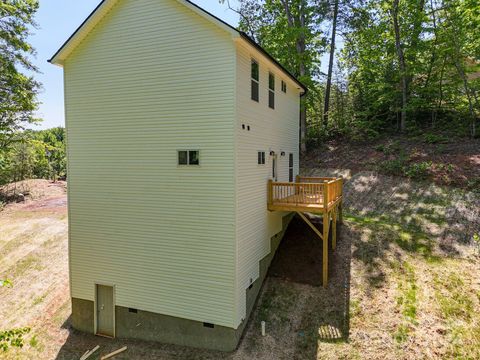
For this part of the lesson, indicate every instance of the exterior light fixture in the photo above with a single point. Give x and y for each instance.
(282, 153)
(272, 153)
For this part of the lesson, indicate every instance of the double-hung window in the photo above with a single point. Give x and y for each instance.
(255, 78)
(261, 158)
(271, 91)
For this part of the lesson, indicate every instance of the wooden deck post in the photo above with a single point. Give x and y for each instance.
(334, 228)
(326, 224)
(340, 204)
(270, 193)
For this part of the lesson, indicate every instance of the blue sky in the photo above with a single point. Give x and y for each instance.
(57, 20)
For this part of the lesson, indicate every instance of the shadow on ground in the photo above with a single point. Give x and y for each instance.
(300, 314)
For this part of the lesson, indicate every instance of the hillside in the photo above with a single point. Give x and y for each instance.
(441, 159)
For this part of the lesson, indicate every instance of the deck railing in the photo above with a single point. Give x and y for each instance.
(306, 191)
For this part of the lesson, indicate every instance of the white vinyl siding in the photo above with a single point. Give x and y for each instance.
(270, 130)
(153, 77)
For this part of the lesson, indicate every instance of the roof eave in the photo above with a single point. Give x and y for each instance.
(96, 15)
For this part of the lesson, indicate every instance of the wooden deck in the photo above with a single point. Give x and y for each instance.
(319, 195)
(307, 194)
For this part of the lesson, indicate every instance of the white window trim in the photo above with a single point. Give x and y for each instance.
(264, 157)
(270, 90)
(188, 158)
(252, 60)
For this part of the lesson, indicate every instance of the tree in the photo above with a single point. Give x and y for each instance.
(402, 64)
(291, 31)
(35, 154)
(413, 58)
(17, 90)
(330, 66)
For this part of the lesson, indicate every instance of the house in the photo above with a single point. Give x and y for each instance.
(176, 122)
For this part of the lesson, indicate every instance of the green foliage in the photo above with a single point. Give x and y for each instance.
(390, 148)
(476, 241)
(14, 338)
(36, 154)
(5, 283)
(17, 90)
(394, 166)
(430, 138)
(441, 54)
(474, 184)
(34, 341)
(418, 170)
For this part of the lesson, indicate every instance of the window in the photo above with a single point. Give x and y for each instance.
(284, 86)
(290, 167)
(255, 80)
(188, 157)
(261, 158)
(271, 90)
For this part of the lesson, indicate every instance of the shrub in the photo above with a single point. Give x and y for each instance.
(389, 149)
(12, 338)
(430, 138)
(418, 170)
(380, 148)
(392, 167)
(476, 241)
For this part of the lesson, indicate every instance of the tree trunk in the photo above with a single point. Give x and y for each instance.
(434, 47)
(440, 93)
(403, 66)
(463, 76)
(330, 67)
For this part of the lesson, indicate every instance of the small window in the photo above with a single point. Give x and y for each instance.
(255, 80)
(284, 86)
(290, 167)
(271, 91)
(261, 158)
(189, 157)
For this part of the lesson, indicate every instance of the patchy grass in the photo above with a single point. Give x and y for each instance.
(454, 300)
(458, 305)
(39, 299)
(33, 341)
(409, 237)
(30, 263)
(407, 302)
